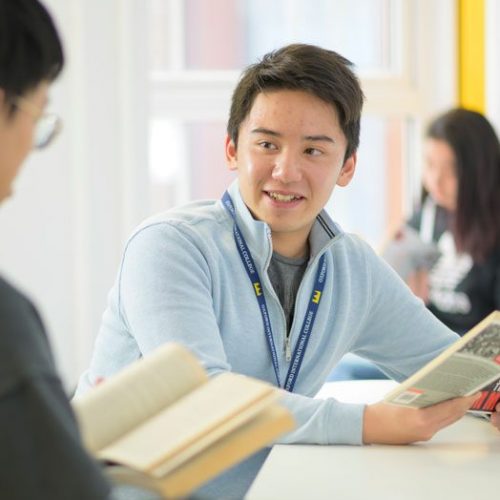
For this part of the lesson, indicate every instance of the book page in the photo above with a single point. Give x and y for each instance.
(465, 367)
(135, 394)
(267, 426)
(246, 440)
(457, 376)
(192, 423)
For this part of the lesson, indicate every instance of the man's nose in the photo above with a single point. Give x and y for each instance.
(287, 168)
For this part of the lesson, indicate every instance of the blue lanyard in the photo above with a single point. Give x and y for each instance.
(308, 323)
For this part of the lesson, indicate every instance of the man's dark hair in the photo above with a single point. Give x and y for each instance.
(476, 222)
(30, 48)
(320, 72)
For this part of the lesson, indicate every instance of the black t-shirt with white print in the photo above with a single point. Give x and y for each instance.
(461, 292)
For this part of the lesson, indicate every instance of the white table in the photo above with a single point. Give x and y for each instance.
(460, 462)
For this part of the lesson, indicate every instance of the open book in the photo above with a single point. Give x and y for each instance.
(162, 424)
(470, 365)
(406, 252)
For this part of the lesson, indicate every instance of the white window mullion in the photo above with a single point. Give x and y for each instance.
(493, 62)
(201, 96)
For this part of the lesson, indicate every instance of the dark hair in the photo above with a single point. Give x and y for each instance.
(320, 72)
(30, 48)
(476, 222)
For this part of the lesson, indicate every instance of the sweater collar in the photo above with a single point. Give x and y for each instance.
(258, 234)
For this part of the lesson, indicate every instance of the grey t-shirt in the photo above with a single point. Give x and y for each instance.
(285, 275)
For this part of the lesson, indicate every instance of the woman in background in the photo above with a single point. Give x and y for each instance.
(460, 213)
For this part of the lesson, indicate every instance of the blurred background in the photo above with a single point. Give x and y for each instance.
(144, 99)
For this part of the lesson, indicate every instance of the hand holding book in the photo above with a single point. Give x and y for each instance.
(407, 253)
(469, 365)
(388, 424)
(465, 377)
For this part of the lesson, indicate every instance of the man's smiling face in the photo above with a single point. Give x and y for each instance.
(289, 157)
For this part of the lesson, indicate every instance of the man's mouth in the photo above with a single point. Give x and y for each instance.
(283, 197)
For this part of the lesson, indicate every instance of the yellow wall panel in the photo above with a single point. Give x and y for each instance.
(471, 54)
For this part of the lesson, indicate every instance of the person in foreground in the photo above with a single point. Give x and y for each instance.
(40, 451)
(460, 213)
(264, 283)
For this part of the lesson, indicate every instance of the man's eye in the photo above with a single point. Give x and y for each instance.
(267, 145)
(312, 152)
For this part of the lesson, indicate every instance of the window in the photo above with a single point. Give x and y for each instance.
(198, 49)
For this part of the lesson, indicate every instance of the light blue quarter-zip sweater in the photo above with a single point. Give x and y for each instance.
(181, 279)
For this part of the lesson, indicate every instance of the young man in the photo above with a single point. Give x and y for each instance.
(263, 282)
(40, 451)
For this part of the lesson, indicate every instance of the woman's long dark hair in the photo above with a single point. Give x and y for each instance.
(476, 222)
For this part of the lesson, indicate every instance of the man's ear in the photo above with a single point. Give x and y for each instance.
(347, 172)
(231, 154)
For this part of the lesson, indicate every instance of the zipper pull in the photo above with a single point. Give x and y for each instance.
(288, 349)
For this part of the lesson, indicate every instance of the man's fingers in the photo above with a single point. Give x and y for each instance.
(461, 404)
(495, 417)
(388, 424)
(448, 412)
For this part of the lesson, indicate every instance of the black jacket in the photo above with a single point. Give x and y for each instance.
(41, 456)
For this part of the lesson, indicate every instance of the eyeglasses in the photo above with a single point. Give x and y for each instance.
(48, 125)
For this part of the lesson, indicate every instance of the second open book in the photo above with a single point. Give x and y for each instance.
(162, 424)
(470, 365)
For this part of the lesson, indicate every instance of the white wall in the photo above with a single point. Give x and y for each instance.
(75, 203)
